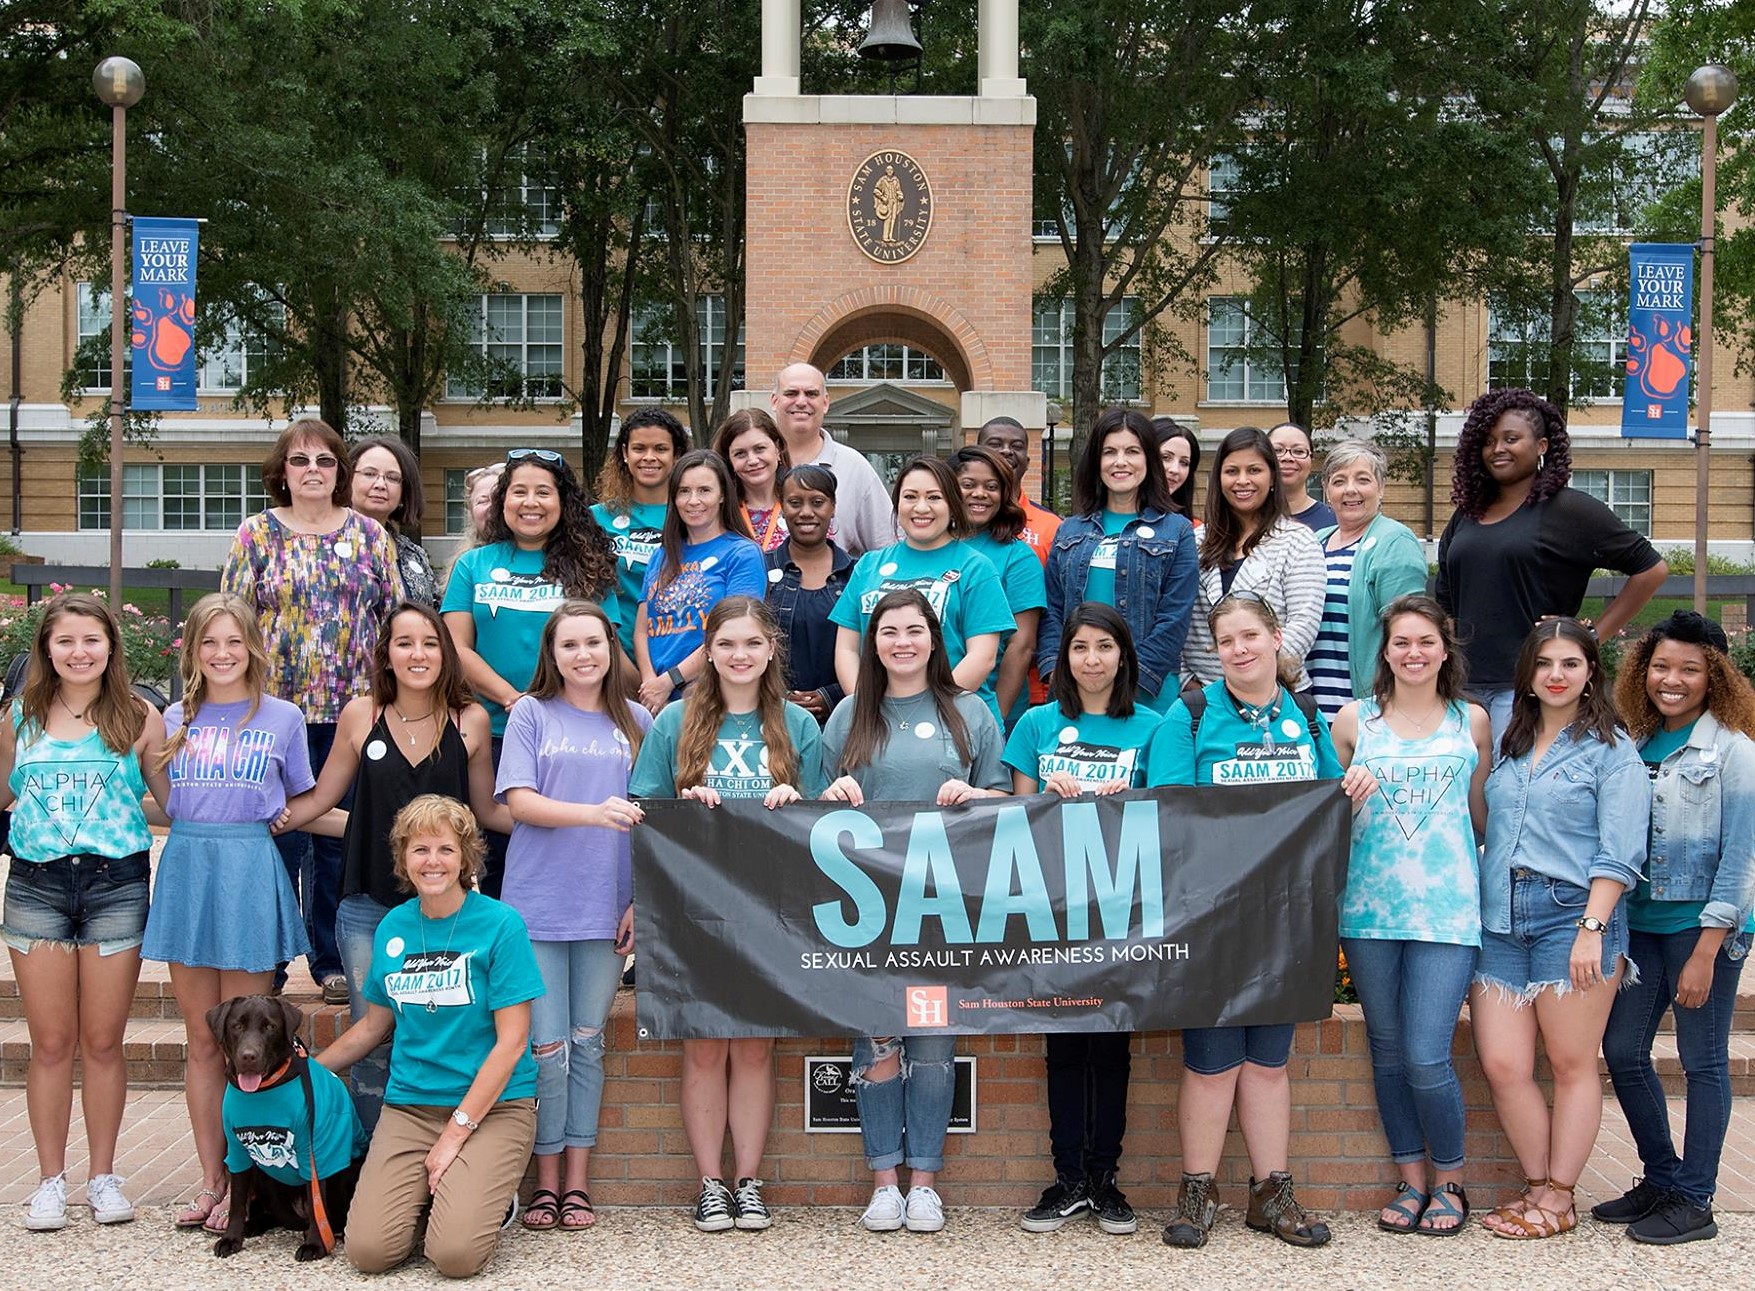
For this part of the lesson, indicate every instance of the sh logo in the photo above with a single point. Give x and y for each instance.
(927, 1007)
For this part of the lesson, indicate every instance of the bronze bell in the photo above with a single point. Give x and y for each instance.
(892, 33)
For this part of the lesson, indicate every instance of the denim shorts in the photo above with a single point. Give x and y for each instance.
(1537, 953)
(1212, 1051)
(77, 901)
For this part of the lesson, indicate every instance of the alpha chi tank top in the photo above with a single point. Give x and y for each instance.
(386, 783)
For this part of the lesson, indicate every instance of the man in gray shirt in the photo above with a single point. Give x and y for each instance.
(864, 519)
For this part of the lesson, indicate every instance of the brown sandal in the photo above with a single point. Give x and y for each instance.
(1512, 1209)
(1537, 1222)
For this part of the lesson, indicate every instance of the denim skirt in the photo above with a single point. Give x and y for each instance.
(223, 900)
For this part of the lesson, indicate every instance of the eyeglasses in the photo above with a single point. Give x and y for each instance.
(1294, 454)
(372, 474)
(540, 454)
(302, 462)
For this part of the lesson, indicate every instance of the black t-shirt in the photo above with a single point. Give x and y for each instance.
(1497, 579)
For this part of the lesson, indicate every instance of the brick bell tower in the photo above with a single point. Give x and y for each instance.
(899, 218)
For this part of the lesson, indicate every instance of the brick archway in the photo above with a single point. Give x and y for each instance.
(905, 314)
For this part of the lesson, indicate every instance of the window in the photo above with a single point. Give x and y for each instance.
(521, 336)
(1224, 177)
(1626, 493)
(1647, 165)
(657, 365)
(887, 362)
(94, 322)
(527, 203)
(1235, 374)
(1517, 346)
(456, 501)
(1051, 351)
(174, 496)
(238, 358)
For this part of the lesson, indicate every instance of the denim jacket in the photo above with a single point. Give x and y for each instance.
(1157, 571)
(785, 584)
(1582, 815)
(1703, 825)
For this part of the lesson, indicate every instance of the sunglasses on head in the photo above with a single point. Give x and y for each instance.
(539, 454)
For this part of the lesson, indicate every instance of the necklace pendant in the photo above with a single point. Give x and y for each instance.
(432, 1007)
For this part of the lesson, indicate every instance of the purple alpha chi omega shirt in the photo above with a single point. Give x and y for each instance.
(231, 771)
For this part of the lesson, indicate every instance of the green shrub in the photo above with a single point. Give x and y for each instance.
(147, 642)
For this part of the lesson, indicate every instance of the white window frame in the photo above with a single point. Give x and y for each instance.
(666, 354)
(1224, 177)
(1051, 352)
(527, 206)
(244, 349)
(1627, 493)
(1607, 347)
(92, 318)
(503, 341)
(911, 357)
(225, 494)
(456, 500)
(1262, 380)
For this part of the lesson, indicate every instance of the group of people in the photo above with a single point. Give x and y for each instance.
(758, 620)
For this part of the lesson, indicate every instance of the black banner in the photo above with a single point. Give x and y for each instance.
(1151, 910)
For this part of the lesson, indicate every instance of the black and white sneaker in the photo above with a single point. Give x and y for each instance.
(752, 1211)
(1109, 1205)
(511, 1218)
(715, 1210)
(1061, 1200)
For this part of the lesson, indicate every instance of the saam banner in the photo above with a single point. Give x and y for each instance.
(1660, 341)
(163, 315)
(1147, 910)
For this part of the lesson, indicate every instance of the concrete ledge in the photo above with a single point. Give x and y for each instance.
(889, 109)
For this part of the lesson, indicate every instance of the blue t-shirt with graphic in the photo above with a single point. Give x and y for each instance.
(960, 584)
(676, 614)
(443, 979)
(637, 535)
(1414, 875)
(1025, 587)
(503, 588)
(1238, 744)
(229, 771)
(267, 1129)
(737, 767)
(1093, 748)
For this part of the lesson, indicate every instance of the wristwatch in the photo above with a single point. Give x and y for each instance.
(1593, 925)
(460, 1117)
(676, 678)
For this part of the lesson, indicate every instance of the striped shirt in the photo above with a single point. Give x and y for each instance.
(1331, 673)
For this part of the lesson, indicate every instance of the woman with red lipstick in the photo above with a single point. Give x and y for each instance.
(996, 520)
(1522, 545)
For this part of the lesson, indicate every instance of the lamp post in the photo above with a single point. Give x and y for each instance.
(1054, 416)
(1711, 89)
(120, 84)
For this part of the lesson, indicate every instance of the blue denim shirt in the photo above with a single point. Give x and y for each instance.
(1703, 825)
(1581, 814)
(1157, 570)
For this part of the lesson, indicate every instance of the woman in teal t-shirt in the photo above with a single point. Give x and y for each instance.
(1411, 912)
(996, 520)
(1252, 729)
(734, 735)
(1692, 713)
(960, 584)
(452, 978)
(1091, 739)
(633, 497)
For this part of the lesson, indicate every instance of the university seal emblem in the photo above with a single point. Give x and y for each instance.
(889, 206)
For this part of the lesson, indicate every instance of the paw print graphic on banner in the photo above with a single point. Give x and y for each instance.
(164, 331)
(1658, 362)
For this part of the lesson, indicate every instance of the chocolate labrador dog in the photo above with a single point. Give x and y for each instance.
(285, 1118)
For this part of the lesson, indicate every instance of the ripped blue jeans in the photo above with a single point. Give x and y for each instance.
(912, 1110)
(566, 1038)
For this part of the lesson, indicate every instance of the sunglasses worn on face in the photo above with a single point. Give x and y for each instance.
(539, 454)
(323, 462)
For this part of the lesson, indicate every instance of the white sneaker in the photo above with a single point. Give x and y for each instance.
(108, 1205)
(48, 1205)
(926, 1213)
(884, 1214)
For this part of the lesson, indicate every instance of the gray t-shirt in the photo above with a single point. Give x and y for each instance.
(920, 755)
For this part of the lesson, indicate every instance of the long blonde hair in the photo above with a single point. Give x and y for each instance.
(117, 712)
(704, 706)
(614, 696)
(213, 606)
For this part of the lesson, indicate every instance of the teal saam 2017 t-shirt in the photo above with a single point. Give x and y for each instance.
(1093, 748)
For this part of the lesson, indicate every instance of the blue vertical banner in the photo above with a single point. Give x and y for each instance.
(162, 315)
(1660, 340)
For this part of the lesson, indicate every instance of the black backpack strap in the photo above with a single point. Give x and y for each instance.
(1307, 705)
(1194, 699)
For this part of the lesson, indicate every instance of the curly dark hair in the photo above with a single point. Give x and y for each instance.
(1729, 697)
(1472, 490)
(577, 553)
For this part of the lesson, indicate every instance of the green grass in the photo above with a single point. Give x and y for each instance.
(149, 600)
(1659, 607)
